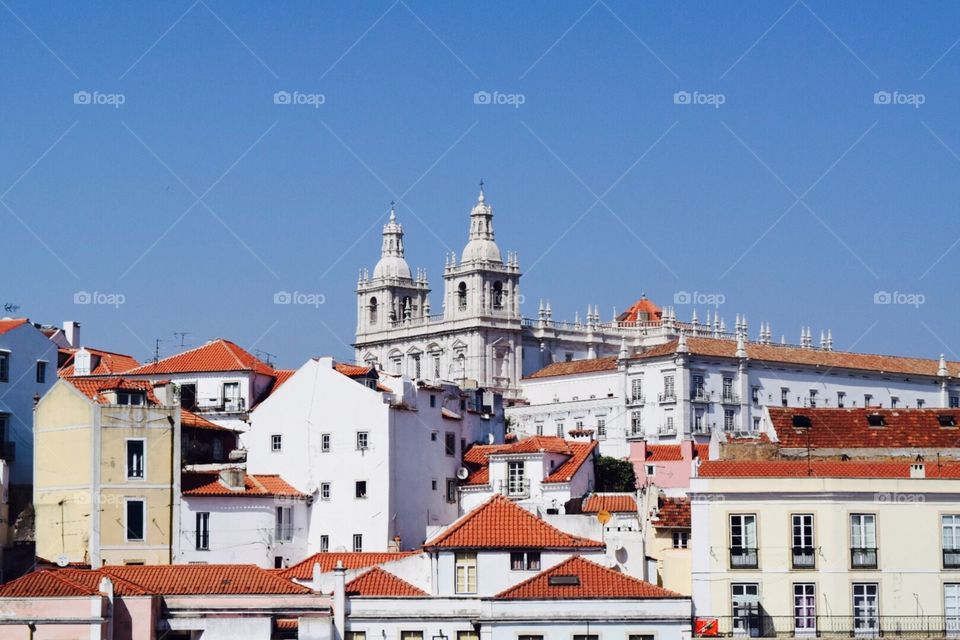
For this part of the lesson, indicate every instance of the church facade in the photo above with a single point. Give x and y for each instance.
(478, 336)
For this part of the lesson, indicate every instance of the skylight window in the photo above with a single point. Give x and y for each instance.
(802, 422)
(564, 581)
(876, 420)
(946, 420)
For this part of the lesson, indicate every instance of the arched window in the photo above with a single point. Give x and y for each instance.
(462, 296)
(373, 311)
(498, 295)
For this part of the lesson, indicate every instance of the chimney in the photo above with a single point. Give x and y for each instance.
(317, 572)
(339, 600)
(71, 331)
(917, 470)
(106, 588)
(686, 450)
(81, 362)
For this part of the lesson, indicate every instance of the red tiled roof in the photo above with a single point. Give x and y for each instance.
(822, 469)
(594, 582)
(45, 583)
(477, 454)
(575, 367)
(673, 513)
(500, 524)
(105, 363)
(643, 310)
(536, 444)
(664, 453)
(720, 348)
(94, 388)
(280, 376)
(205, 579)
(287, 624)
(582, 451)
(216, 355)
(612, 502)
(352, 370)
(9, 324)
(255, 486)
(304, 570)
(848, 428)
(190, 419)
(382, 584)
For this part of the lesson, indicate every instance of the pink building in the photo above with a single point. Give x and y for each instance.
(668, 466)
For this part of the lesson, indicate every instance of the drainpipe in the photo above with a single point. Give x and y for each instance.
(339, 600)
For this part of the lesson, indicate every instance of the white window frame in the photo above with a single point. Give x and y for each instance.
(325, 491)
(870, 612)
(126, 524)
(325, 439)
(465, 580)
(203, 531)
(363, 440)
(276, 442)
(358, 543)
(143, 459)
(283, 529)
(805, 608)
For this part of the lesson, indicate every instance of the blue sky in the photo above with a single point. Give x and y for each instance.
(796, 200)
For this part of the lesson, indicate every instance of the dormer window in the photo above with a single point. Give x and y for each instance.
(946, 420)
(876, 420)
(131, 397)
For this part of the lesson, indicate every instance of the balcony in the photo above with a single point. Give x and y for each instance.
(667, 396)
(754, 622)
(744, 558)
(728, 397)
(804, 558)
(700, 395)
(667, 430)
(863, 558)
(516, 489)
(702, 429)
(637, 400)
(636, 431)
(951, 558)
(235, 405)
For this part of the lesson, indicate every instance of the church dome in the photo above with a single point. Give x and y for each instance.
(391, 267)
(481, 245)
(392, 264)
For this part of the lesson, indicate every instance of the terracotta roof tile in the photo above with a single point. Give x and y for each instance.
(94, 388)
(593, 582)
(849, 428)
(256, 486)
(206, 579)
(380, 583)
(721, 348)
(45, 583)
(477, 457)
(304, 570)
(575, 367)
(9, 324)
(105, 363)
(216, 355)
(190, 419)
(664, 453)
(582, 452)
(643, 310)
(673, 513)
(352, 370)
(612, 502)
(500, 524)
(822, 469)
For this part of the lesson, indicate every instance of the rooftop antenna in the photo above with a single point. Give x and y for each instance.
(265, 356)
(182, 336)
(156, 349)
(10, 307)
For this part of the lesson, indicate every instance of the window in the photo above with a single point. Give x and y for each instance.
(433, 400)
(785, 396)
(498, 295)
(681, 539)
(866, 617)
(135, 519)
(358, 543)
(805, 608)
(950, 536)
(920, 403)
(325, 443)
(411, 635)
(462, 296)
(727, 388)
(356, 635)
(802, 541)
(470, 635)
(451, 490)
(203, 531)
(415, 370)
(539, 428)
(745, 607)
(436, 367)
(863, 541)
(373, 311)
(130, 397)
(954, 402)
(668, 390)
(698, 425)
(636, 389)
(135, 463)
(525, 561)
(813, 398)
(284, 528)
(841, 398)
(465, 569)
(433, 485)
(559, 429)
(363, 440)
(728, 424)
(743, 541)
(324, 543)
(41, 371)
(585, 636)
(360, 489)
(601, 427)
(324, 490)
(951, 608)
(450, 443)
(867, 399)
(636, 424)
(276, 443)
(894, 401)
(756, 424)
(650, 470)
(516, 479)
(231, 395)
(697, 387)
(4, 366)
(568, 357)
(755, 395)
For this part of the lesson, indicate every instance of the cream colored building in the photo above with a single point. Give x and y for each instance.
(846, 548)
(107, 472)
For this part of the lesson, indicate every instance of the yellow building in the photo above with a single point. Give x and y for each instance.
(668, 541)
(107, 472)
(794, 548)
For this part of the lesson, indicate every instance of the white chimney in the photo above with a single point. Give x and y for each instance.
(339, 599)
(71, 331)
(917, 470)
(81, 363)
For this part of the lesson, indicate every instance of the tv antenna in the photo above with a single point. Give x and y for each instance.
(181, 335)
(10, 307)
(266, 356)
(156, 349)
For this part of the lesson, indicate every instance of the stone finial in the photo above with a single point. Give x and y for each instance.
(942, 368)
